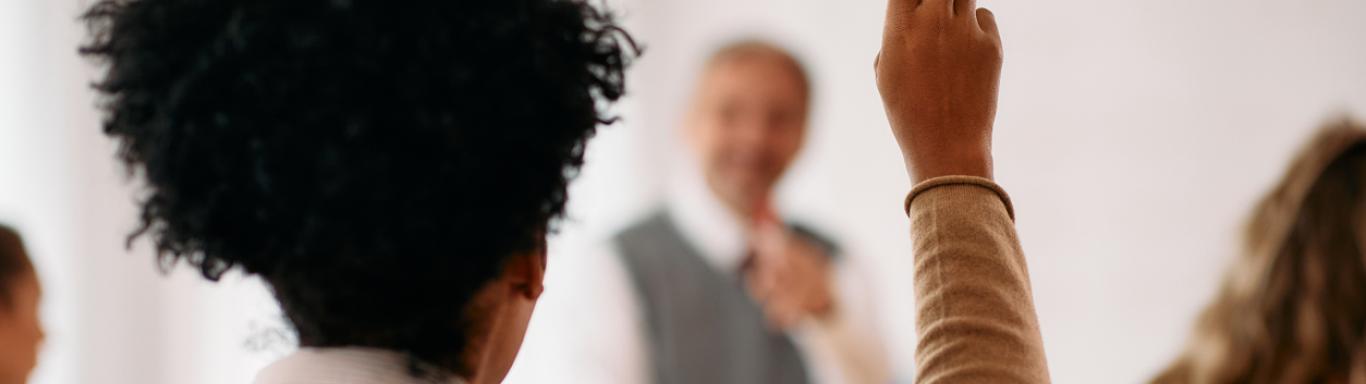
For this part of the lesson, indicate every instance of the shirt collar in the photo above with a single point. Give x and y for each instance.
(705, 223)
(347, 365)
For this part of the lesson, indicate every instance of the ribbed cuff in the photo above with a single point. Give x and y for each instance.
(960, 180)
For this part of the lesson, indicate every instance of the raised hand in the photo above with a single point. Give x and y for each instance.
(938, 73)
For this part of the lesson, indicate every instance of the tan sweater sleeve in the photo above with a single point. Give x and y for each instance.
(975, 310)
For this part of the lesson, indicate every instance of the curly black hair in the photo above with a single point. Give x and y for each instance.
(375, 161)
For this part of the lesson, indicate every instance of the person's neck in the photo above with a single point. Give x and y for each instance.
(745, 211)
(741, 213)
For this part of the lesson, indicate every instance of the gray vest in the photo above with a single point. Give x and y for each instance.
(703, 327)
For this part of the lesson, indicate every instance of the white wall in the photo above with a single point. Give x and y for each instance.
(1133, 136)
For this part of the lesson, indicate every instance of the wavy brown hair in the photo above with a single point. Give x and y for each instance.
(1293, 307)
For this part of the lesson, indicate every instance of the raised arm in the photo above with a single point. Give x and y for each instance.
(938, 74)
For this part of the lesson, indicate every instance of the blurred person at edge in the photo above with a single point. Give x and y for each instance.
(714, 286)
(21, 333)
(1293, 305)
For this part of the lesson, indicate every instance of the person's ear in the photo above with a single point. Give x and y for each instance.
(526, 273)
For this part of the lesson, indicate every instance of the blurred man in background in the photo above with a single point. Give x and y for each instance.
(715, 287)
(20, 331)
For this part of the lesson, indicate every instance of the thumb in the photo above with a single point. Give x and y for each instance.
(770, 242)
(987, 21)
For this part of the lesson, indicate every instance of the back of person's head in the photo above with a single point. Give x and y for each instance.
(14, 264)
(20, 331)
(1293, 308)
(375, 161)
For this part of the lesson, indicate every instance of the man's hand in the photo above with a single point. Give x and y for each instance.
(789, 276)
(938, 73)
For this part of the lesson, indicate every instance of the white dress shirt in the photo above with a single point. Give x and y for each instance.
(589, 327)
(343, 366)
